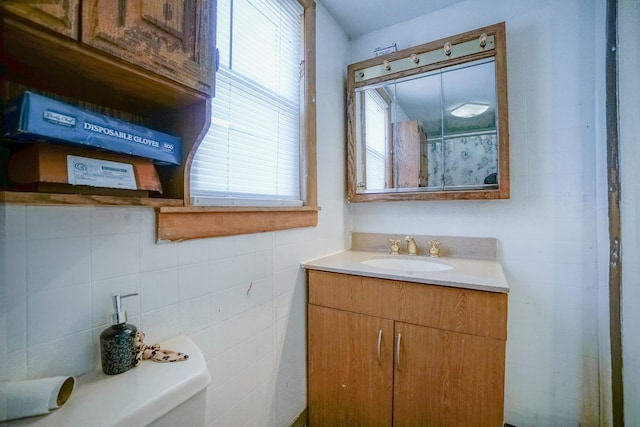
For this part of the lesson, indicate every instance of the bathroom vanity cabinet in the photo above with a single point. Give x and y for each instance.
(385, 352)
(147, 62)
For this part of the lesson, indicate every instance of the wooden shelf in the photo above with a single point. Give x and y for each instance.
(53, 199)
(37, 55)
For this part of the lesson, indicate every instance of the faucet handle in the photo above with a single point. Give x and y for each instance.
(434, 250)
(395, 246)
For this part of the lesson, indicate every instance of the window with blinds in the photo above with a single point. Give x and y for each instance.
(251, 153)
(376, 132)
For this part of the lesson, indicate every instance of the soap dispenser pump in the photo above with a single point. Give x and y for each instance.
(118, 342)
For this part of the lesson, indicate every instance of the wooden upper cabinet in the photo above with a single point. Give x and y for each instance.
(61, 16)
(144, 61)
(163, 36)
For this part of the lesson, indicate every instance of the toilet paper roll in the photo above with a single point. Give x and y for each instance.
(33, 397)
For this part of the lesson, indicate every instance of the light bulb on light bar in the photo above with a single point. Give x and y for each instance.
(469, 109)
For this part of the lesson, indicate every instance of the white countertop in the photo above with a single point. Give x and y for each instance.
(484, 275)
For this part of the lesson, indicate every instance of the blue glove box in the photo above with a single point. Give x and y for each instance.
(33, 117)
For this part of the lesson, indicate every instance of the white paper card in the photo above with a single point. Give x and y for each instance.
(379, 51)
(100, 173)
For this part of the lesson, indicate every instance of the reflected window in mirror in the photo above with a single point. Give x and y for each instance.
(424, 125)
(376, 138)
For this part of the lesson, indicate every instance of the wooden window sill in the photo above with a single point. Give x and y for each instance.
(185, 223)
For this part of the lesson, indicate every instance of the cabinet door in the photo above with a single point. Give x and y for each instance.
(407, 154)
(61, 16)
(350, 381)
(445, 378)
(172, 38)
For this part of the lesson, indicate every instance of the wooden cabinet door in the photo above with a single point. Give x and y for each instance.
(409, 148)
(447, 379)
(350, 382)
(172, 38)
(61, 16)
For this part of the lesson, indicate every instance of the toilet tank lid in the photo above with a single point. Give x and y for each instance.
(136, 397)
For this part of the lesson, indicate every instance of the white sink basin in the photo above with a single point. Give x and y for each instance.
(406, 264)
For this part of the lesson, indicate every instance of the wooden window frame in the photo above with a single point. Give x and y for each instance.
(194, 222)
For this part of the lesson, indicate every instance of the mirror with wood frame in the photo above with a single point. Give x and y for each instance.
(430, 122)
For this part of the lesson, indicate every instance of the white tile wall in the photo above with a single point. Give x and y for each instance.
(56, 263)
(234, 296)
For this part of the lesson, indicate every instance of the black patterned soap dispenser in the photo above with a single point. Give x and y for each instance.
(118, 342)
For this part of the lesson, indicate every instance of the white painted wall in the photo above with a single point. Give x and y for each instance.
(548, 230)
(242, 299)
(629, 86)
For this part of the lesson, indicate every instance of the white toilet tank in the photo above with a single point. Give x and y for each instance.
(152, 394)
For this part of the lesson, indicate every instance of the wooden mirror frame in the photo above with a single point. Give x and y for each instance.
(354, 81)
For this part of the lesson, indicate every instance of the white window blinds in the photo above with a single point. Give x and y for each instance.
(376, 132)
(251, 154)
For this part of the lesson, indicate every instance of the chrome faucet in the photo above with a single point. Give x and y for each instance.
(412, 247)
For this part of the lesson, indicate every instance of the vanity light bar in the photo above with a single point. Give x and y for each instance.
(448, 52)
